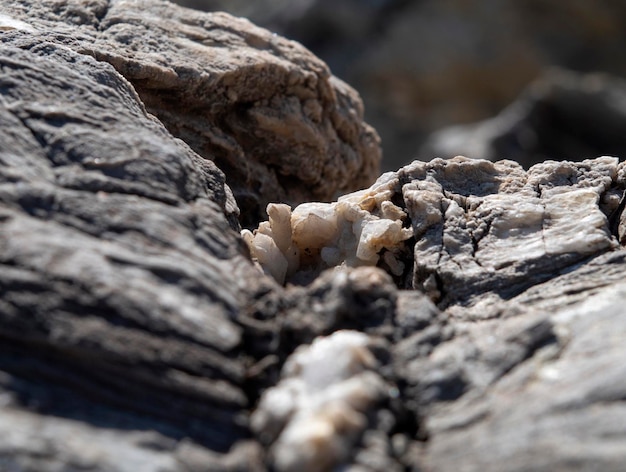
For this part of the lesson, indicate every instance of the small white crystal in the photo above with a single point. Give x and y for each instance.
(352, 231)
(318, 409)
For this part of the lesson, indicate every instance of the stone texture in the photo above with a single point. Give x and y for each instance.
(477, 226)
(544, 389)
(267, 111)
(356, 230)
(501, 228)
(318, 410)
(137, 334)
(122, 274)
(422, 65)
(510, 257)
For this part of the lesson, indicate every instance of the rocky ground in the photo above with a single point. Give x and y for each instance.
(137, 333)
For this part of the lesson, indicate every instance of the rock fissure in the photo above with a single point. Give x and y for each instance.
(138, 333)
(615, 218)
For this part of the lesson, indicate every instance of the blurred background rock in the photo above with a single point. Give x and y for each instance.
(424, 65)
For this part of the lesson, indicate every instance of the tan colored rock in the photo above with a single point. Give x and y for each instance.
(263, 108)
(422, 65)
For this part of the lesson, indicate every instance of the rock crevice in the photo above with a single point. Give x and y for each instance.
(137, 332)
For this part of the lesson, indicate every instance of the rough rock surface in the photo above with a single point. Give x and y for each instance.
(477, 226)
(266, 110)
(136, 333)
(424, 64)
(544, 387)
(121, 274)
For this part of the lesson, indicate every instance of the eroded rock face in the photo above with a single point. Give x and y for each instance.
(136, 332)
(561, 405)
(263, 108)
(503, 228)
(423, 65)
(510, 256)
(121, 274)
(477, 226)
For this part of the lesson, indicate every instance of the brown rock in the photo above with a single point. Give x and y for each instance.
(423, 65)
(267, 111)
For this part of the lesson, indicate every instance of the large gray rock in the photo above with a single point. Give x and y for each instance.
(136, 332)
(544, 386)
(122, 277)
(490, 245)
(267, 111)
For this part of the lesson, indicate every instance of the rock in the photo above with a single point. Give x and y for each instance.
(505, 228)
(424, 65)
(490, 244)
(562, 116)
(316, 413)
(263, 108)
(122, 275)
(137, 333)
(562, 405)
(357, 230)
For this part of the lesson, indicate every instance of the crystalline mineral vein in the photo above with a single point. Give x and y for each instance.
(352, 231)
(318, 409)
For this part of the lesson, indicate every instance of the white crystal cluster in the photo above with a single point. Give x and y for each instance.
(318, 409)
(352, 231)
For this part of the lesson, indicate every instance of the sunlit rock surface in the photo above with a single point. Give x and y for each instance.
(137, 333)
(476, 226)
(422, 65)
(493, 227)
(266, 110)
(317, 411)
(362, 228)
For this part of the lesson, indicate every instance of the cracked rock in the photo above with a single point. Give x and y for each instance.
(137, 332)
(264, 109)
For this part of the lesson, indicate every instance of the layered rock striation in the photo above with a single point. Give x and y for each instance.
(458, 314)
(267, 111)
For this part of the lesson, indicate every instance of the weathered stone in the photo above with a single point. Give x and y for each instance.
(362, 228)
(266, 110)
(502, 229)
(136, 333)
(121, 277)
(547, 386)
(317, 412)
(477, 226)
(490, 239)
(424, 65)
